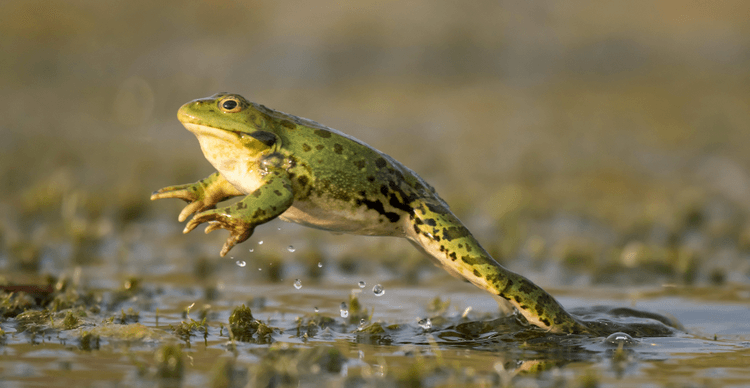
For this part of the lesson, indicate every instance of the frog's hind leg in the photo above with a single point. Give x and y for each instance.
(505, 307)
(446, 240)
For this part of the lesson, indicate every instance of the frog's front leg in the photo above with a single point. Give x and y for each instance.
(201, 195)
(272, 198)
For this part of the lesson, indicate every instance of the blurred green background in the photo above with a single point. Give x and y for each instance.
(606, 136)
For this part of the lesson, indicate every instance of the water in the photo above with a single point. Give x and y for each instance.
(361, 284)
(241, 263)
(473, 338)
(297, 284)
(378, 290)
(290, 248)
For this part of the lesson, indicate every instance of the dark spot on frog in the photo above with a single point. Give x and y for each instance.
(380, 162)
(337, 148)
(277, 192)
(384, 190)
(319, 147)
(418, 221)
(256, 194)
(240, 205)
(430, 221)
(460, 245)
(259, 213)
(453, 256)
(526, 287)
(378, 207)
(468, 248)
(322, 133)
(287, 124)
(360, 165)
(477, 274)
(303, 181)
(371, 178)
(264, 137)
(455, 232)
(306, 147)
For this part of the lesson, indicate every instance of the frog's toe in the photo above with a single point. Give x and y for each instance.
(237, 237)
(190, 209)
(213, 225)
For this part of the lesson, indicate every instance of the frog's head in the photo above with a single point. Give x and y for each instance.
(224, 115)
(229, 129)
(227, 118)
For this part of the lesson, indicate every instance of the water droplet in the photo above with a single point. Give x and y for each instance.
(251, 250)
(618, 339)
(361, 354)
(425, 323)
(290, 249)
(378, 290)
(361, 324)
(260, 269)
(344, 310)
(298, 284)
(241, 263)
(316, 309)
(260, 242)
(320, 265)
(279, 228)
(361, 284)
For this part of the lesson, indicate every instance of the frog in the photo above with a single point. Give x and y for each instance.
(300, 171)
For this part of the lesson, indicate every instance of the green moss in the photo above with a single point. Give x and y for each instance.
(71, 321)
(129, 332)
(12, 304)
(131, 316)
(243, 327)
(187, 329)
(88, 341)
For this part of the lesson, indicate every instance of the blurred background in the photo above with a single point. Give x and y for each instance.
(596, 143)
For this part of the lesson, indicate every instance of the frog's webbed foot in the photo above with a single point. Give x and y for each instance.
(239, 230)
(200, 196)
(241, 218)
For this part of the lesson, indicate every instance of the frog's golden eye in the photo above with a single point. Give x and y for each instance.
(230, 105)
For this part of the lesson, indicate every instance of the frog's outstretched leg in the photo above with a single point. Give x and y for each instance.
(272, 198)
(450, 243)
(201, 195)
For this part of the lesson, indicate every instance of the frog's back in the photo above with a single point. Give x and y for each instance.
(336, 174)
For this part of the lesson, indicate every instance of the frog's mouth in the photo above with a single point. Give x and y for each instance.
(203, 130)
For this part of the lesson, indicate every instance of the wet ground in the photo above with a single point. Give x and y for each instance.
(290, 315)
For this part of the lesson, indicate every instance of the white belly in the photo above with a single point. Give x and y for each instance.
(323, 214)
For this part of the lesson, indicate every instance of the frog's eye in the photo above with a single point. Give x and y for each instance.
(230, 105)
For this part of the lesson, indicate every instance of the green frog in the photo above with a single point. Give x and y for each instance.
(301, 171)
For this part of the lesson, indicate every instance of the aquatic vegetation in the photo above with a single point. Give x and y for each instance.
(244, 328)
